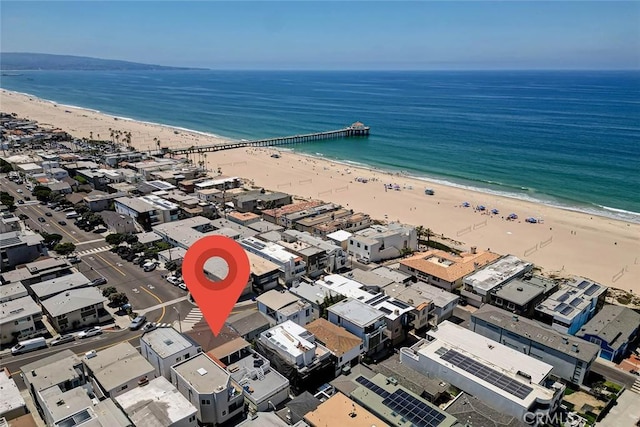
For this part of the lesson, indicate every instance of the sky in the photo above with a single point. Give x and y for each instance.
(328, 35)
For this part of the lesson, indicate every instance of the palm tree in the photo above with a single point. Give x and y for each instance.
(91, 136)
(112, 133)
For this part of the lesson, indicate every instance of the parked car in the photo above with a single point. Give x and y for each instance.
(175, 281)
(41, 219)
(182, 286)
(100, 230)
(149, 266)
(19, 190)
(62, 222)
(91, 332)
(21, 202)
(137, 322)
(73, 259)
(28, 345)
(48, 214)
(62, 339)
(27, 198)
(99, 281)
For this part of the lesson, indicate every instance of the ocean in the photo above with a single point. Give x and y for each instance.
(569, 139)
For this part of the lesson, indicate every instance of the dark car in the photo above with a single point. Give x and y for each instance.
(99, 281)
(48, 214)
(41, 219)
(27, 198)
(62, 222)
(21, 202)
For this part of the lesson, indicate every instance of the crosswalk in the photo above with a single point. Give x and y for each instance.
(92, 251)
(194, 316)
(636, 386)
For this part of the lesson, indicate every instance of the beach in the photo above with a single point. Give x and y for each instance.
(567, 242)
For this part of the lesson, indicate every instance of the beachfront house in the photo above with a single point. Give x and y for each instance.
(363, 321)
(431, 305)
(380, 242)
(479, 284)
(570, 357)
(522, 295)
(443, 269)
(613, 329)
(573, 305)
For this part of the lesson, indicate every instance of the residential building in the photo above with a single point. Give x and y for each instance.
(240, 230)
(12, 291)
(612, 329)
(209, 388)
(340, 238)
(264, 273)
(522, 295)
(333, 258)
(17, 247)
(314, 258)
(363, 321)
(397, 314)
(243, 218)
(573, 305)
(12, 404)
(289, 220)
(397, 405)
(512, 382)
(443, 269)
(219, 183)
(291, 266)
(53, 287)
(264, 226)
(320, 297)
(75, 309)
(63, 408)
(341, 411)
(117, 369)
(570, 357)
(249, 324)
(296, 346)
(393, 274)
(148, 210)
(100, 202)
(295, 409)
(158, 404)
(479, 284)
(259, 200)
(281, 306)
(20, 319)
(277, 215)
(475, 412)
(164, 347)
(379, 242)
(431, 305)
(309, 223)
(57, 173)
(62, 370)
(37, 271)
(428, 387)
(349, 223)
(9, 222)
(345, 348)
(216, 269)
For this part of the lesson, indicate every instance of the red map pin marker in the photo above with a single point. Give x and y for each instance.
(216, 299)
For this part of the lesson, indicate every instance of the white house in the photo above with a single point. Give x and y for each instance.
(363, 321)
(380, 242)
(164, 347)
(282, 306)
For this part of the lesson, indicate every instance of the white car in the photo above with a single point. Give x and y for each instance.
(19, 190)
(175, 281)
(91, 332)
(183, 286)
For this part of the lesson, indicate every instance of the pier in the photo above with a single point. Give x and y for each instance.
(357, 129)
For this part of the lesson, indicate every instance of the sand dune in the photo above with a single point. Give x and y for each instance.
(599, 248)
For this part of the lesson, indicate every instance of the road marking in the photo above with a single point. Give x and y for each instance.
(164, 310)
(111, 265)
(59, 227)
(91, 251)
(91, 241)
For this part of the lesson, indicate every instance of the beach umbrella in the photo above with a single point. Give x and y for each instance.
(481, 208)
(494, 211)
(466, 204)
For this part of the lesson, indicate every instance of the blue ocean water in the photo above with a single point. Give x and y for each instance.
(570, 139)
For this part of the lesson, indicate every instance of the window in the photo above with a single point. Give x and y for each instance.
(124, 387)
(178, 358)
(192, 418)
(224, 412)
(307, 312)
(366, 248)
(511, 306)
(499, 302)
(358, 244)
(206, 402)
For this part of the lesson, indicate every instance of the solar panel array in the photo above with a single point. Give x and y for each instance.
(592, 289)
(485, 373)
(407, 406)
(583, 284)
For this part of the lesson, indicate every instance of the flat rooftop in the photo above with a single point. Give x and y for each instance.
(276, 300)
(167, 341)
(476, 413)
(421, 292)
(394, 404)
(613, 324)
(11, 397)
(496, 273)
(202, 373)
(290, 338)
(447, 266)
(571, 299)
(537, 332)
(19, 308)
(246, 375)
(53, 370)
(117, 365)
(157, 404)
(356, 312)
(521, 292)
(341, 411)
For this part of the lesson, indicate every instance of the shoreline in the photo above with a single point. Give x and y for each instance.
(600, 248)
(588, 208)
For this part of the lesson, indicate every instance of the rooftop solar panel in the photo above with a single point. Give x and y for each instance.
(575, 302)
(592, 289)
(378, 298)
(583, 284)
(566, 311)
(561, 307)
(485, 373)
(413, 409)
(373, 387)
(385, 310)
(399, 304)
(563, 297)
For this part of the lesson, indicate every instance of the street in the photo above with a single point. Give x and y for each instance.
(148, 292)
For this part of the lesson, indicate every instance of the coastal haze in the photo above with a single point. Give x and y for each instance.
(568, 242)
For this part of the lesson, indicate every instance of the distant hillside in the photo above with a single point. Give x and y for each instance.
(42, 61)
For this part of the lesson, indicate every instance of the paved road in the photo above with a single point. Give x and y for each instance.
(615, 374)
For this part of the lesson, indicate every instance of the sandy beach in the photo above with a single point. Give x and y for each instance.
(599, 248)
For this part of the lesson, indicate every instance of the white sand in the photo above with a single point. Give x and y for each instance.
(599, 248)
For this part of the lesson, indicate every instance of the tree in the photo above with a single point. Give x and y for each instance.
(114, 239)
(42, 193)
(51, 240)
(64, 248)
(81, 180)
(130, 238)
(5, 167)
(118, 299)
(7, 199)
(106, 292)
